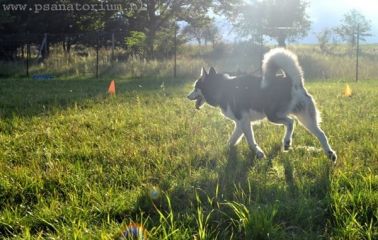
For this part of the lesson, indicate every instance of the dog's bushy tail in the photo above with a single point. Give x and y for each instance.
(280, 58)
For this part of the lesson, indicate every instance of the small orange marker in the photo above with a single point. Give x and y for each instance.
(111, 89)
(347, 91)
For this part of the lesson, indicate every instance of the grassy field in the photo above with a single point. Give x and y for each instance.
(78, 164)
(338, 64)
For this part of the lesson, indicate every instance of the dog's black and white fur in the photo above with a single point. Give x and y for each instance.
(247, 98)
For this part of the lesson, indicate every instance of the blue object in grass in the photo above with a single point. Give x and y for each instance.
(42, 77)
(134, 231)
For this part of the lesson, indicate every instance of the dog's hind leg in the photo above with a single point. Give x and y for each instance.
(246, 127)
(308, 117)
(236, 135)
(289, 125)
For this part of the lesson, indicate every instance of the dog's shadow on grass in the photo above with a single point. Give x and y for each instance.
(235, 171)
(300, 192)
(237, 166)
(289, 177)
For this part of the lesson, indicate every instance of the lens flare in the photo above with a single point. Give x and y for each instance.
(154, 193)
(134, 231)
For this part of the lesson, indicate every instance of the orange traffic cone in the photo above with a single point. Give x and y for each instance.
(111, 89)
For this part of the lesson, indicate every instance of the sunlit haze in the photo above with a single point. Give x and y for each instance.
(328, 14)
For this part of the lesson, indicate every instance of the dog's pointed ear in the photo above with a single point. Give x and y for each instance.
(212, 71)
(203, 72)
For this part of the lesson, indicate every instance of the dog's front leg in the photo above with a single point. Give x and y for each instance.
(248, 132)
(236, 135)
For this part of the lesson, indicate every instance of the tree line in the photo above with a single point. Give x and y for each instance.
(148, 27)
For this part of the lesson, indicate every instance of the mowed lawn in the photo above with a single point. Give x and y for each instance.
(76, 163)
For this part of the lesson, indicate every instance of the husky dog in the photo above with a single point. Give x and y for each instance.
(248, 98)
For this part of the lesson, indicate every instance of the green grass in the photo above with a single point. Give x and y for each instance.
(78, 164)
(73, 66)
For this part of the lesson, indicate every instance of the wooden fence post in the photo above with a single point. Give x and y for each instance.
(97, 48)
(27, 55)
(357, 50)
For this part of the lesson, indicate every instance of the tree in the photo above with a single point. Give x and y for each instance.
(228, 8)
(193, 32)
(324, 37)
(15, 26)
(136, 43)
(146, 16)
(206, 31)
(156, 19)
(352, 23)
(211, 34)
(161, 15)
(281, 20)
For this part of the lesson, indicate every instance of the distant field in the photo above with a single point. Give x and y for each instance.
(338, 64)
(78, 164)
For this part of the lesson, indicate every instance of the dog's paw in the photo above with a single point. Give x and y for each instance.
(286, 145)
(332, 155)
(260, 154)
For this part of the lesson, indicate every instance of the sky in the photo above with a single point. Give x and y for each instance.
(328, 14)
